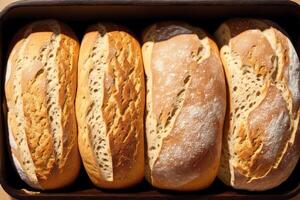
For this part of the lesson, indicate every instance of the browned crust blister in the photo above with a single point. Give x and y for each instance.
(186, 101)
(261, 139)
(40, 92)
(110, 106)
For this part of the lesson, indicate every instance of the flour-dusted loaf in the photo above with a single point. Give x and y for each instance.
(261, 142)
(186, 102)
(110, 107)
(40, 88)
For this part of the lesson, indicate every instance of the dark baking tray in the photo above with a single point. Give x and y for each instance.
(136, 14)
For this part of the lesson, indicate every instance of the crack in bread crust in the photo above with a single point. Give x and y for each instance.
(24, 161)
(262, 122)
(98, 129)
(122, 102)
(48, 55)
(110, 106)
(39, 85)
(180, 56)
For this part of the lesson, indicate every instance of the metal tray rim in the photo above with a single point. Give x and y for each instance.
(34, 3)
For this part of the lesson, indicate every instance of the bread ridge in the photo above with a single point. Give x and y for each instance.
(27, 89)
(121, 104)
(277, 85)
(165, 175)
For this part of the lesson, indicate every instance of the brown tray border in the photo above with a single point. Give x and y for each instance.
(19, 194)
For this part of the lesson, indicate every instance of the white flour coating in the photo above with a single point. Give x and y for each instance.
(274, 135)
(265, 108)
(12, 140)
(274, 129)
(209, 86)
(169, 79)
(199, 113)
(166, 63)
(294, 74)
(160, 65)
(199, 123)
(270, 36)
(8, 68)
(17, 111)
(24, 175)
(205, 53)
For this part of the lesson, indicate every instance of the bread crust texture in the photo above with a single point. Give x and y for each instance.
(40, 87)
(110, 106)
(185, 103)
(261, 143)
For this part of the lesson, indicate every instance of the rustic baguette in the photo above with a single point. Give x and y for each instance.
(110, 107)
(261, 142)
(40, 87)
(186, 102)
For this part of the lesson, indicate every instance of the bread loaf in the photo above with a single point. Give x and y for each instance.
(40, 87)
(261, 139)
(110, 107)
(186, 102)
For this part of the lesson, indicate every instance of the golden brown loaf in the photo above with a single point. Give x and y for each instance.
(110, 107)
(261, 139)
(186, 102)
(40, 90)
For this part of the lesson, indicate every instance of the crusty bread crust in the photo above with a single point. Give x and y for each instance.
(186, 102)
(261, 139)
(110, 107)
(40, 90)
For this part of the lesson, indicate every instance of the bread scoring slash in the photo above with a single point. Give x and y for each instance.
(261, 141)
(40, 87)
(185, 103)
(110, 106)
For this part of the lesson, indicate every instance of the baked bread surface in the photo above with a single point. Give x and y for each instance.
(186, 102)
(40, 88)
(261, 138)
(110, 106)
